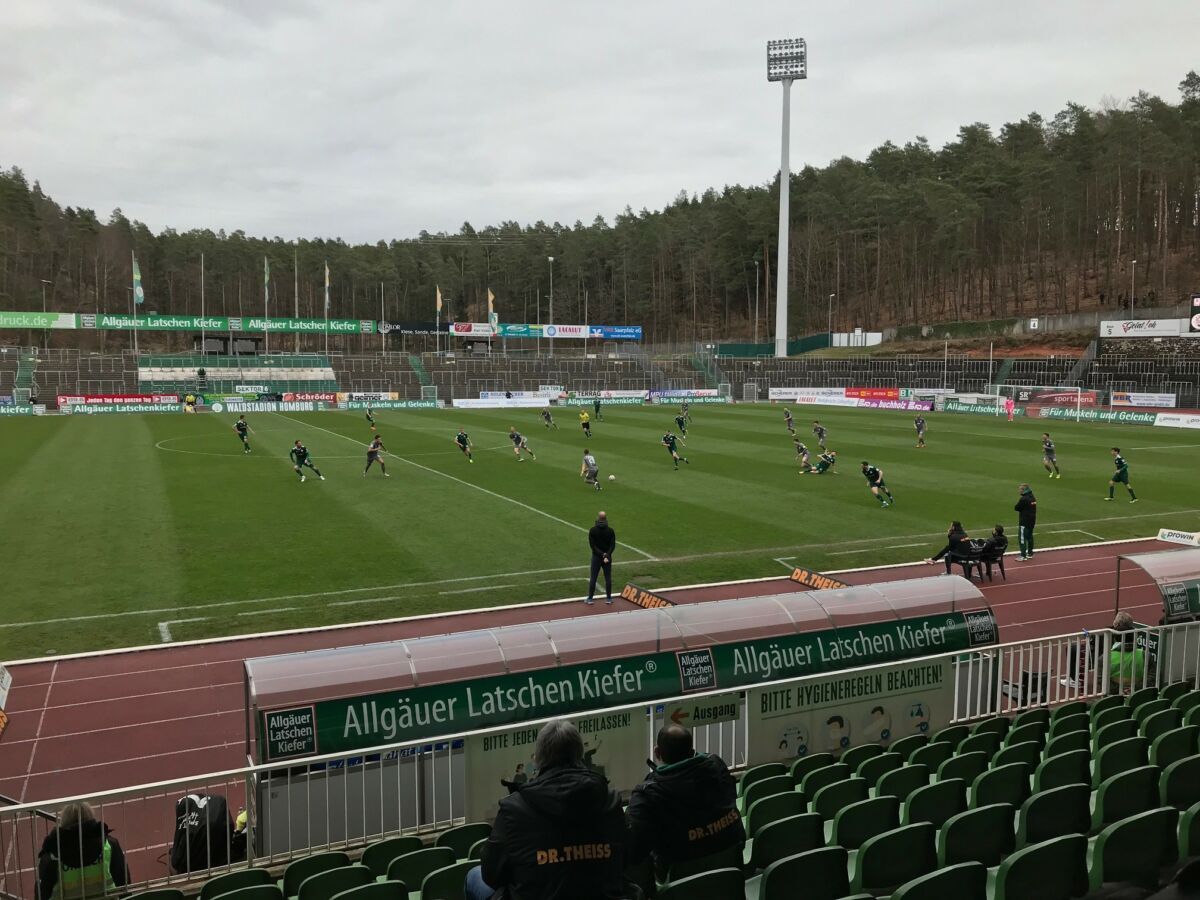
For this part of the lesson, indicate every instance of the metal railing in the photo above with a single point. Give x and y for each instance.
(343, 801)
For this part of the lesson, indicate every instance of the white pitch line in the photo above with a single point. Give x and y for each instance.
(1166, 447)
(874, 549)
(500, 587)
(783, 561)
(532, 509)
(268, 612)
(1076, 531)
(164, 628)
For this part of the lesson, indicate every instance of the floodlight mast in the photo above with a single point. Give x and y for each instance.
(787, 60)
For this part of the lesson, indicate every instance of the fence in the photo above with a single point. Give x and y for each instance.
(342, 802)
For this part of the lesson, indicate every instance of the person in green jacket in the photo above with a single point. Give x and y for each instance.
(80, 858)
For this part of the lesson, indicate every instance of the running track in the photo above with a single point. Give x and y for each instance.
(108, 721)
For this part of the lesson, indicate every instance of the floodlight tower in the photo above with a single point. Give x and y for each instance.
(787, 60)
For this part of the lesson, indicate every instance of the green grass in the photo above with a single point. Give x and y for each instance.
(115, 524)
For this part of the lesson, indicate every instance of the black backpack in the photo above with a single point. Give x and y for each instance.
(204, 834)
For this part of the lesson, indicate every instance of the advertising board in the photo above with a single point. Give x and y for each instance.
(102, 399)
(1123, 416)
(791, 393)
(389, 404)
(325, 396)
(1135, 328)
(1133, 398)
(37, 320)
(873, 393)
(498, 403)
(910, 405)
(1177, 420)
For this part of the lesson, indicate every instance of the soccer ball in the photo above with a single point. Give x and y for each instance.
(612, 477)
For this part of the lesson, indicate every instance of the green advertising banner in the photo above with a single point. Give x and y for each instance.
(355, 723)
(99, 409)
(19, 409)
(121, 321)
(389, 404)
(978, 409)
(1122, 416)
(37, 320)
(1181, 599)
(612, 401)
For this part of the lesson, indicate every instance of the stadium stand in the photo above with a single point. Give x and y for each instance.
(1163, 365)
(225, 374)
(9, 361)
(377, 372)
(961, 373)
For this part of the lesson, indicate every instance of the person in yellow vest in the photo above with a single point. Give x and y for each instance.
(189, 403)
(80, 858)
(1126, 660)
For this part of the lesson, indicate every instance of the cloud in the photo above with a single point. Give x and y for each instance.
(372, 120)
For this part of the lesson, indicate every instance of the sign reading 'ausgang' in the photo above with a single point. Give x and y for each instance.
(354, 723)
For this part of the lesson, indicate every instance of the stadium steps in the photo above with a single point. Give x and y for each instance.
(24, 385)
(415, 362)
(705, 366)
(1003, 372)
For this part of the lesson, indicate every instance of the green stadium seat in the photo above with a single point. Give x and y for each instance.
(952, 735)
(1074, 708)
(460, 838)
(822, 872)
(718, 884)
(987, 742)
(1067, 743)
(772, 808)
(1053, 813)
(1119, 757)
(1125, 794)
(1187, 702)
(855, 756)
(730, 857)
(1146, 710)
(1066, 724)
(903, 781)
(1179, 784)
(1174, 745)
(832, 798)
(1028, 753)
(857, 823)
(785, 837)
(1133, 850)
(1172, 692)
(1052, 870)
(1189, 832)
(255, 892)
(1002, 784)
(299, 870)
(966, 766)
(1104, 704)
(232, 881)
(1120, 730)
(1160, 723)
(323, 885)
(875, 768)
(765, 787)
(822, 777)
(1041, 716)
(890, 859)
(160, 894)
(1192, 716)
(448, 882)
(381, 890)
(935, 803)
(1110, 715)
(996, 724)
(476, 851)
(983, 835)
(965, 881)
(907, 746)
(806, 764)
(411, 868)
(758, 773)
(1030, 731)
(932, 755)
(377, 856)
(1140, 696)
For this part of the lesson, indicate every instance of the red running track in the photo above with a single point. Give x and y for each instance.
(95, 723)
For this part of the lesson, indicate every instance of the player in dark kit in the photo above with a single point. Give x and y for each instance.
(371, 418)
(1121, 476)
(825, 462)
(519, 444)
(668, 441)
(596, 409)
(685, 410)
(789, 421)
(1049, 458)
(301, 458)
(919, 424)
(243, 430)
(877, 485)
(548, 419)
(463, 442)
(373, 450)
(819, 431)
(681, 424)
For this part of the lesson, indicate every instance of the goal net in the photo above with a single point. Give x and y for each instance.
(429, 392)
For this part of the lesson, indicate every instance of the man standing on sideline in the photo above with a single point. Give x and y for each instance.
(1026, 518)
(686, 808)
(603, 541)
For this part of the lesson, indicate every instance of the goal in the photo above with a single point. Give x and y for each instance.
(1051, 401)
(429, 392)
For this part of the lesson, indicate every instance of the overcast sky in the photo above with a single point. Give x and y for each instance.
(373, 120)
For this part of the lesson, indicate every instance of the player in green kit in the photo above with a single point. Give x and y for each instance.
(243, 430)
(1121, 476)
(877, 485)
(301, 458)
(685, 410)
(371, 418)
(681, 424)
(596, 409)
(463, 442)
(373, 450)
(825, 462)
(669, 441)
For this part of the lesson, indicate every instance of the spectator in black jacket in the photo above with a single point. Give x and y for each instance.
(956, 546)
(561, 836)
(686, 808)
(1026, 509)
(603, 541)
(80, 858)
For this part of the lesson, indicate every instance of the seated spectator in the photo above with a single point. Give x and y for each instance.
(1126, 660)
(996, 544)
(686, 808)
(562, 834)
(80, 858)
(955, 550)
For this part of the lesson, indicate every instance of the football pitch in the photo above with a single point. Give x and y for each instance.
(126, 530)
